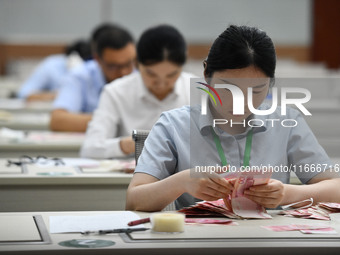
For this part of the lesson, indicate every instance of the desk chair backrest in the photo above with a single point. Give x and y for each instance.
(139, 137)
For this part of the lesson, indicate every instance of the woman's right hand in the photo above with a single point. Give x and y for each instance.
(207, 187)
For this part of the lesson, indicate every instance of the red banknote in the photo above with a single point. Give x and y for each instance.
(236, 205)
(243, 206)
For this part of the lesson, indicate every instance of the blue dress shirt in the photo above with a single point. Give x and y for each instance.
(46, 77)
(81, 89)
(182, 139)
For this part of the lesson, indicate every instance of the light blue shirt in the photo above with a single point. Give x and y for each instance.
(46, 77)
(182, 139)
(81, 89)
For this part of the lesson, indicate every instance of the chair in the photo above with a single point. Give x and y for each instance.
(139, 136)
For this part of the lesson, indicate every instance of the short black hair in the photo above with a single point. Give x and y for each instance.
(109, 36)
(240, 47)
(163, 42)
(82, 47)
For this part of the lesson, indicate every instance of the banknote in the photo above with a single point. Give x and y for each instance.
(243, 206)
(294, 227)
(210, 221)
(235, 205)
(321, 211)
(328, 231)
(334, 207)
(209, 209)
(303, 228)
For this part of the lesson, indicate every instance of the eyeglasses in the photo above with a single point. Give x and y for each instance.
(31, 160)
(116, 67)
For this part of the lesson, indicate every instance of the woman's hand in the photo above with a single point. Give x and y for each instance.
(269, 195)
(208, 187)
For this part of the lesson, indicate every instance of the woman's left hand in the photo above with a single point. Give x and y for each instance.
(269, 195)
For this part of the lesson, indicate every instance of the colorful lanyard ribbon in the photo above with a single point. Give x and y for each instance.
(247, 149)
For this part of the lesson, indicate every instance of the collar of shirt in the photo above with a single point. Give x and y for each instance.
(205, 122)
(144, 93)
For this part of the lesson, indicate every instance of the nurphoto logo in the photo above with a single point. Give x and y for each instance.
(239, 102)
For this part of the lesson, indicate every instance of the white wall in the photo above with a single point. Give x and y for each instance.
(47, 20)
(286, 21)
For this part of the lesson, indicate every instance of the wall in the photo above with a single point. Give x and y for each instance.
(50, 21)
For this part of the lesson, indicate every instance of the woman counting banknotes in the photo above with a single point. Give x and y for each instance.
(222, 131)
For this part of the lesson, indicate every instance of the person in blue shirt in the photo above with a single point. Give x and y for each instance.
(44, 82)
(114, 56)
(185, 138)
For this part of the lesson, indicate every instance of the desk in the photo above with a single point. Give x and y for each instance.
(20, 115)
(24, 120)
(61, 188)
(246, 238)
(20, 105)
(49, 144)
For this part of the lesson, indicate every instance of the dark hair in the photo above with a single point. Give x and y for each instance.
(161, 43)
(109, 36)
(239, 47)
(82, 47)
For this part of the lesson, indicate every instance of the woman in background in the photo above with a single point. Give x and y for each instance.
(137, 100)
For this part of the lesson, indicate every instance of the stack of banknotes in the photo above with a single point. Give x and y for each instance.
(320, 211)
(235, 206)
(303, 228)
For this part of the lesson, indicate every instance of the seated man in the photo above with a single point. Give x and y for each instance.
(114, 56)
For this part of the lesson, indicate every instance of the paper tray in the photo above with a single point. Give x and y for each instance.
(28, 229)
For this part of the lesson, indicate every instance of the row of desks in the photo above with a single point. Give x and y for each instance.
(248, 237)
(57, 188)
(43, 143)
(67, 188)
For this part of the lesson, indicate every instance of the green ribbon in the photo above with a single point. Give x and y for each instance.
(220, 150)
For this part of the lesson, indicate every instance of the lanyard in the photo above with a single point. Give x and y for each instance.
(247, 149)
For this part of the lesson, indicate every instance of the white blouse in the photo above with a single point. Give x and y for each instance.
(126, 104)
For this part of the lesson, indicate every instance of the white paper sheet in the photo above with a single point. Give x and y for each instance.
(69, 162)
(72, 223)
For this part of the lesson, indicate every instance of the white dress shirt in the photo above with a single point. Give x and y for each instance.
(126, 104)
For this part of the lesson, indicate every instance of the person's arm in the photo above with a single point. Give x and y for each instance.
(38, 81)
(102, 139)
(303, 149)
(324, 187)
(127, 145)
(41, 96)
(322, 191)
(68, 106)
(147, 193)
(62, 120)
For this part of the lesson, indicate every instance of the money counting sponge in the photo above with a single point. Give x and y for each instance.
(167, 222)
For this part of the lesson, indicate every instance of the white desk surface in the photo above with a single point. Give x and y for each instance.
(46, 143)
(25, 120)
(61, 176)
(20, 105)
(246, 238)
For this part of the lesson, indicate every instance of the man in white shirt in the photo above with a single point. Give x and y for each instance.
(137, 100)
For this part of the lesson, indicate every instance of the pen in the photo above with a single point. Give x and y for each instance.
(138, 222)
(111, 231)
